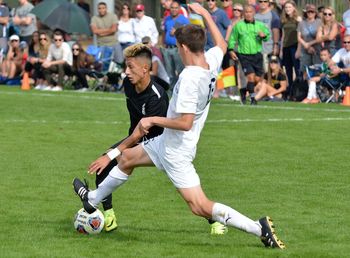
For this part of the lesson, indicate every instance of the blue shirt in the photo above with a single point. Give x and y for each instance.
(222, 22)
(169, 24)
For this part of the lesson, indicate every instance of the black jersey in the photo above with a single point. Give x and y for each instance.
(153, 101)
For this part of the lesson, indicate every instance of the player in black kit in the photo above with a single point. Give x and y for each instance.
(144, 98)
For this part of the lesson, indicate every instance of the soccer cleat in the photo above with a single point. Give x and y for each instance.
(253, 101)
(218, 229)
(268, 236)
(82, 191)
(110, 220)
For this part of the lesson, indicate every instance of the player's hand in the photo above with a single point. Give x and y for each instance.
(261, 34)
(99, 165)
(145, 124)
(197, 8)
(233, 56)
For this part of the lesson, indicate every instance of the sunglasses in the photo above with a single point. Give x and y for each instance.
(139, 11)
(42, 38)
(327, 14)
(346, 42)
(211, 0)
(237, 10)
(58, 40)
(263, 1)
(76, 49)
(14, 40)
(224, 0)
(310, 12)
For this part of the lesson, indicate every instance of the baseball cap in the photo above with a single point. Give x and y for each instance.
(14, 37)
(140, 7)
(146, 40)
(274, 59)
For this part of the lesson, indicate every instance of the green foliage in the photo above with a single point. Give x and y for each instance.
(286, 160)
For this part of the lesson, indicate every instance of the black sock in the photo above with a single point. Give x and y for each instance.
(250, 87)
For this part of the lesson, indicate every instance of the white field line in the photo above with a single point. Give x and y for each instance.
(90, 95)
(219, 121)
(76, 95)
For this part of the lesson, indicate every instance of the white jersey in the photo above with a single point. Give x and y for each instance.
(191, 94)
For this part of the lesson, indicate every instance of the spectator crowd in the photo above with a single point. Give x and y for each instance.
(273, 47)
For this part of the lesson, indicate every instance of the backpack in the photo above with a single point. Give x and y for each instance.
(300, 88)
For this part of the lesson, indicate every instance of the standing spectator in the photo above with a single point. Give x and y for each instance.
(254, 4)
(126, 35)
(227, 6)
(273, 23)
(144, 26)
(25, 20)
(249, 35)
(328, 32)
(307, 31)
(4, 20)
(240, 77)
(12, 65)
(346, 20)
(221, 20)
(83, 5)
(158, 68)
(59, 59)
(172, 61)
(290, 20)
(104, 26)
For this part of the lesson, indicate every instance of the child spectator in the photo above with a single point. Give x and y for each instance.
(325, 76)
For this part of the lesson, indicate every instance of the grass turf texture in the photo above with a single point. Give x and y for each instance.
(286, 160)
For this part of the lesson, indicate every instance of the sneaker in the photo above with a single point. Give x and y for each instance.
(46, 88)
(218, 229)
(82, 191)
(268, 236)
(39, 87)
(57, 88)
(110, 220)
(234, 97)
(82, 90)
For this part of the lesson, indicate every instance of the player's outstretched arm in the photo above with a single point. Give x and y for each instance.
(101, 163)
(214, 31)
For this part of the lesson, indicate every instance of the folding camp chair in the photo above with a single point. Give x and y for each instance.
(329, 87)
(104, 66)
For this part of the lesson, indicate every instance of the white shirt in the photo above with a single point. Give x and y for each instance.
(62, 53)
(346, 19)
(146, 27)
(342, 55)
(126, 31)
(192, 94)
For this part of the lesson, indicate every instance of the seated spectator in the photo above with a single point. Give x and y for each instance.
(274, 82)
(12, 65)
(158, 67)
(83, 63)
(325, 76)
(37, 55)
(59, 60)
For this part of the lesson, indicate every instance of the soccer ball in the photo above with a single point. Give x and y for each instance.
(86, 223)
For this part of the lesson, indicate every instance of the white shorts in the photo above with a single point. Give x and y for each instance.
(178, 167)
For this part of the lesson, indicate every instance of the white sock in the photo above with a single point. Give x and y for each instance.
(230, 217)
(115, 179)
(312, 90)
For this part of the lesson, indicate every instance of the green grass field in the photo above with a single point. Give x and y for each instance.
(286, 160)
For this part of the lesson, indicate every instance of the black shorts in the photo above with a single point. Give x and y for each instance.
(252, 64)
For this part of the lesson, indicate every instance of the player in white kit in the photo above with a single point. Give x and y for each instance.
(174, 150)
